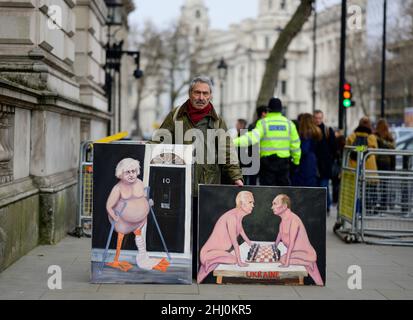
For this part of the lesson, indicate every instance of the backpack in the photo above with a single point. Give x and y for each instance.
(359, 141)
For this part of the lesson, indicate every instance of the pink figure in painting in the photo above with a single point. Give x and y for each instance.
(224, 237)
(293, 235)
(128, 209)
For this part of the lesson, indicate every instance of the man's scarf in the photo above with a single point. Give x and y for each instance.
(197, 115)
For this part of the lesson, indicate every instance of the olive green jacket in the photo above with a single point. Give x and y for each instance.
(217, 147)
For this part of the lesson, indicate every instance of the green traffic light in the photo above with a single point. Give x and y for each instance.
(347, 103)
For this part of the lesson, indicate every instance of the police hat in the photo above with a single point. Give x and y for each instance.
(275, 105)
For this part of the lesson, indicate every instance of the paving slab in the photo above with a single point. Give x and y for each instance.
(157, 289)
(397, 294)
(387, 273)
(314, 293)
(182, 297)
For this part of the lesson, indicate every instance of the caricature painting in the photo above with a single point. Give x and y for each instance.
(123, 207)
(272, 235)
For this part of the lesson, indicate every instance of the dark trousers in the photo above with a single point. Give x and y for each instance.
(275, 171)
(251, 180)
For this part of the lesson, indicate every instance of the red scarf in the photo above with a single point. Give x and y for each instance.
(197, 115)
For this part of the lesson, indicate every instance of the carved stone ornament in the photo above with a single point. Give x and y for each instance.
(6, 143)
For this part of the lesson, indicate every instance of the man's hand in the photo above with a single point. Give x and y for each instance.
(114, 217)
(239, 183)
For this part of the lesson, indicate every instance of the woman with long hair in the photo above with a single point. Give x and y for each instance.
(307, 173)
(385, 140)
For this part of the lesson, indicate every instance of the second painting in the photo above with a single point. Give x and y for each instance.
(273, 235)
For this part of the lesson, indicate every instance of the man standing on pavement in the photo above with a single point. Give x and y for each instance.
(279, 141)
(197, 118)
(325, 154)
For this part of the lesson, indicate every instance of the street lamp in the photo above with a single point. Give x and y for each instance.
(114, 53)
(114, 12)
(222, 75)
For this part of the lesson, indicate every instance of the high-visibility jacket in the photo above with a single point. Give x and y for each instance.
(276, 135)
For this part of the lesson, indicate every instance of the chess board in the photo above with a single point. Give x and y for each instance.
(260, 253)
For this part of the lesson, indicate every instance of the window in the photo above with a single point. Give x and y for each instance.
(269, 5)
(284, 64)
(198, 14)
(283, 4)
(241, 82)
(197, 31)
(267, 42)
(283, 88)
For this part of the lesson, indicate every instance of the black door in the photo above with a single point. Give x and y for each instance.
(167, 189)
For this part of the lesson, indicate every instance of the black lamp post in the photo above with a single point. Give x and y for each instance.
(222, 75)
(114, 53)
(383, 62)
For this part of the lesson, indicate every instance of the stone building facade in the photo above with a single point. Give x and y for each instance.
(245, 46)
(52, 56)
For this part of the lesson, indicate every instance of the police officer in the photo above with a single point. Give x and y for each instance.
(279, 141)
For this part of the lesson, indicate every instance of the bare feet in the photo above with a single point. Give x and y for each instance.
(162, 266)
(120, 265)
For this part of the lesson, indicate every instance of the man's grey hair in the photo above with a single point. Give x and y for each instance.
(200, 79)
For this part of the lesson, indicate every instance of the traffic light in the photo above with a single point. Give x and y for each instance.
(347, 96)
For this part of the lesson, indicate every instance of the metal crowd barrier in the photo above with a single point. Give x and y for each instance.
(84, 213)
(376, 206)
(85, 191)
(348, 208)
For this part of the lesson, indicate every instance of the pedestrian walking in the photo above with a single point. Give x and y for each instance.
(279, 141)
(385, 140)
(363, 136)
(325, 154)
(337, 163)
(306, 175)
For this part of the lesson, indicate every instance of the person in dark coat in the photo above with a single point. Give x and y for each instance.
(325, 154)
(385, 140)
(261, 112)
(306, 175)
(337, 163)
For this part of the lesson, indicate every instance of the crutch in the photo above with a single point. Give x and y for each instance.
(147, 190)
(105, 253)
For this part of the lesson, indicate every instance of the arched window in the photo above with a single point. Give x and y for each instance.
(269, 5)
(197, 31)
(198, 14)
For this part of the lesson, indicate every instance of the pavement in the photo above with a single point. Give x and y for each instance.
(387, 274)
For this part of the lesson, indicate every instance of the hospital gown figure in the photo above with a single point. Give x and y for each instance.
(128, 210)
(224, 237)
(293, 235)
